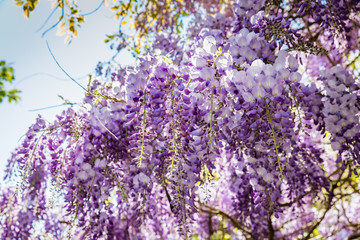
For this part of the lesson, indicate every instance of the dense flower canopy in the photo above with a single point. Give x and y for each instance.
(246, 128)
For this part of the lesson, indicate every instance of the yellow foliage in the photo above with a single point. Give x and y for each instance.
(61, 31)
(26, 13)
(67, 39)
(62, 24)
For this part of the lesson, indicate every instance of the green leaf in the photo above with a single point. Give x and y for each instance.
(7, 75)
(13, 95)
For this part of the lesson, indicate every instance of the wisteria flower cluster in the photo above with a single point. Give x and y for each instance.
(229, 141)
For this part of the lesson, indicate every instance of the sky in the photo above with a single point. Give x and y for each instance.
(37, 74)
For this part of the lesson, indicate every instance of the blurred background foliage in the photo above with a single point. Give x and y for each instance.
(7, 76)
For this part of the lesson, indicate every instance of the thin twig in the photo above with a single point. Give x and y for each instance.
(61, 18)
(48, 18)
(45, 108)
(62, 69)
(97, 8)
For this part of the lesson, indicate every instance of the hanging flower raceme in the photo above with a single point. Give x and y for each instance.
(218, 140)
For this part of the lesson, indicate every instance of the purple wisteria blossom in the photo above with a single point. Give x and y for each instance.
(228, 136)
